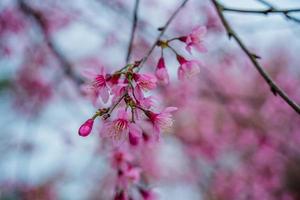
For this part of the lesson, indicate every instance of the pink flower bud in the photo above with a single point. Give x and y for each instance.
(133, 139)
(161, 63)
(120, 196)
(183, 38)
(181, 59)
(86, 128)
(147, 194)
(161, 72)
(134, 134)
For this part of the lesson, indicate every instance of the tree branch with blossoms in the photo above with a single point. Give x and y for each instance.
(137, 119)
(276, 90)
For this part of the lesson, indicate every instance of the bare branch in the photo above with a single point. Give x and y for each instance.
(276, 90)
(287, 16)
(264, 11)
(133, 29)
(41, 22)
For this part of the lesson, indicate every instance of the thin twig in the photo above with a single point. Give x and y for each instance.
(111, 108)
(286, 15)
(264, 11)
(162, 31)
(133, 29)
(253, 58)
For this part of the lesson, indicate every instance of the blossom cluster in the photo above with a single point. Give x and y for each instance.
(136, 120)
(128, 177)
(126, 90)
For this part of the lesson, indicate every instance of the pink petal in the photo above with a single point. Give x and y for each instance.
(104, 93)
(170, 109)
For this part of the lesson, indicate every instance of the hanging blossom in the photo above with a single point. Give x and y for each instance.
(137, 122)
(128, 88)
(127, 176)
(97, 86)
(187, 68)
(161, 72)
(195, 40)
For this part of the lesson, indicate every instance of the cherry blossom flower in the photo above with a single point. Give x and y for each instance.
(135, 134)
(161, 72)
(121, 127)
(194, 39)
(117, 128)
(86, 128)
(161, 121)
(129, 175)
(147, 194)
(113, 80)
(120, 157)
(146, 102)
(119, 90)
(98, 84)
(145, 82)
(120, 196)
(187, 68)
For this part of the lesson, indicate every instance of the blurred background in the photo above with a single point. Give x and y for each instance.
(232, 138)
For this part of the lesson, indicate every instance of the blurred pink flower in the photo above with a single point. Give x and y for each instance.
(161, 121)
(161, 72)
(145, 81)
(187, 69)
(98, 84)
(147, 194)
(117, 128)
(194, 39)
(135, 134)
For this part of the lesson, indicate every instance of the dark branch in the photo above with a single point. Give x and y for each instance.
(133, 29)
(286, 15)
(42, 23)
(276, 90)
(265, 11)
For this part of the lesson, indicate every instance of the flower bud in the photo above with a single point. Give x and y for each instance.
(133, 139)
(86, 128)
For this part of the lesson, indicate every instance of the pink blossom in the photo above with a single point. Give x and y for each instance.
(187, 68)
(134, 135)
(98, 83)
(146, 102)
(118, 90)
(86, 128)
(145, 81)
(120, 196)
(162, 121)
(113, 79)
(117, 128)
(131, 175)
(194, 39)
(161, 72)
(120, 158)
(147, 194)
(121, 127)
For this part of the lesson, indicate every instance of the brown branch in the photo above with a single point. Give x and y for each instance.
(162, 31)
(253, 58)
(42, 23)
(133, 29)
(271, 7)
(264, 11)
